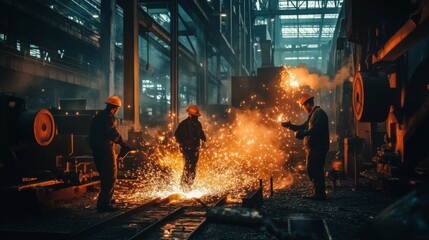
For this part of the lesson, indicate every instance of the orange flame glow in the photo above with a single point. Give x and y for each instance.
(248, 146)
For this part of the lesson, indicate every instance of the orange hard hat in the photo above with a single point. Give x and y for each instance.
(304, 98)
(193, 110)
(114, 100)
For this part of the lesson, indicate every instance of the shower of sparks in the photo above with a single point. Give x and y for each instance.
(248, 145)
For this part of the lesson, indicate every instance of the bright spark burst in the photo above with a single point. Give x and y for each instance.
(247, 146)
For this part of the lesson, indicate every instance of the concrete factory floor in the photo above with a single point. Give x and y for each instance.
(345, 212)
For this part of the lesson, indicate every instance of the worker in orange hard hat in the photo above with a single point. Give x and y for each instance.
(103, 137)
(188, 134)
(304, 98)
(114, 101)
(193, 110)
(315, 132)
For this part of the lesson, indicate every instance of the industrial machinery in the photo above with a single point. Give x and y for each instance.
(74, 163)
(385, 107)
(22, 130)
(44, 154)
(381, 113)
(44, 144)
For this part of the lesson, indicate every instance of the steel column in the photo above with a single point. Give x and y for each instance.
(131, 63)
(174, 60)
(107, 47)
(218, 82)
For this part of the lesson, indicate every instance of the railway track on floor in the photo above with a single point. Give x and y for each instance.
(154, 220)
(170, 218)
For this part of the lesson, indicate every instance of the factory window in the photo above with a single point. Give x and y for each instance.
(328, 31)
(47, 57)
(309, 32)
(310, 16)
(289, 32)
(302, 4)
(18, 45)
(288, 16)
(61, 53)
(162, 18)
(334, 16)
(299, 58)
(3, 37)
(75, 19)
(147, 84)
(260, 22)
(35, 51)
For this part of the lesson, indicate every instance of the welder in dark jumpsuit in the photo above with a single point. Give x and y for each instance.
(188, 134)
(103, 138)
(315, 132)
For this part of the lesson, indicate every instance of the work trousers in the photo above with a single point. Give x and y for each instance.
(315, 162)
(191, 159)
(105, 161)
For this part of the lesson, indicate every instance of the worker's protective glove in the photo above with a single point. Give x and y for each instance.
(286, 124)
(300, 134)
(125, 149)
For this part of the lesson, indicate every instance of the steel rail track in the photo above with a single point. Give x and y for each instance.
(125, 224)
(193, 234)
(184, 225)
(157, 218)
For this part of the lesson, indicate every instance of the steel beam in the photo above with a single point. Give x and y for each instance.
(146, 21)
(301, 50)
(310, 11)
(414, 30)
(305, 40)
(308, 22)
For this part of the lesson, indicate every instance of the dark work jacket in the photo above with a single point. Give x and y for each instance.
(189, 133)
(316, 130)
(103, 132)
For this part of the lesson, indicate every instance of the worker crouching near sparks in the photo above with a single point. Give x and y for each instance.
(315, 132)
(188, 134)
(103, 137)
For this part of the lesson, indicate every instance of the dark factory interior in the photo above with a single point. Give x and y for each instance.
(214, 119)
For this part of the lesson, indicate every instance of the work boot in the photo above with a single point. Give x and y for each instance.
(108, 208)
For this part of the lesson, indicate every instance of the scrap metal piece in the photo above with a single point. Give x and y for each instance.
(253, 199)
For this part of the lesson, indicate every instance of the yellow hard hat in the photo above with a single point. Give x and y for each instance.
(304, 98)
(114, 100)
(193, 110)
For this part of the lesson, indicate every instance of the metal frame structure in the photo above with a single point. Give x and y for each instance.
(300, 30)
